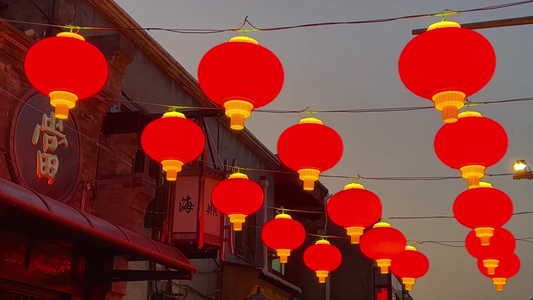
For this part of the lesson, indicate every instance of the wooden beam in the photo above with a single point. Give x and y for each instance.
(489, 24)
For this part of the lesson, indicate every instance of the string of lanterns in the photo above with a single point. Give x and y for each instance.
(468, 142)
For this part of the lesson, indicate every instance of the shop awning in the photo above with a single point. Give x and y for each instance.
(121, 240)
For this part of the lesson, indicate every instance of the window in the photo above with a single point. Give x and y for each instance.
(245, 240)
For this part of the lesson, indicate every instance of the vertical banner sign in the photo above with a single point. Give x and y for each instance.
(46, 149)
(187, 203)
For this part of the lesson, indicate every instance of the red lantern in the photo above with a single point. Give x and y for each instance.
(173, 141)
(382, 243)
(354, 208)
(240, 75)
(471, 145)
(237, 197)
(283, 234)
(322, 257)
(309, 159)
(503, 243)
(509, 266)
(409, 265)
(67, 69)
(446, 64)
(483, 209)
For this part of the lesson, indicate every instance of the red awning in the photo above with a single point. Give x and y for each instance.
(123, 240)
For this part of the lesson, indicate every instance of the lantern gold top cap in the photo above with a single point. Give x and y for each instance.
(71, 35)
(444, 24)
(353, 185)
(322, 242)
(283, 216)
(311, 120)
(238, 175)
(382, 225)
(469, 113)
(173, 114)
(243, 39)
(410, 248)
(485, 184)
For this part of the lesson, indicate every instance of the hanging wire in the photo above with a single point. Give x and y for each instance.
(307, 25)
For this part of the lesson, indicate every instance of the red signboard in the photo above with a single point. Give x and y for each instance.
(46, 149)
(195, 219)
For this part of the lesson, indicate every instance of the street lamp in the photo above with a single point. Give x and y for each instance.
(522, 170)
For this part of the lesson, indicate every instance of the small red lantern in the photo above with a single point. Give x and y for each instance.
(173, 141)
(283, 234)
(309, 159)
(240, 75)
(354, 208)
(238, 196)
(409, 265)
(66, 68)
(447, 64)
(509, 266)
(483, 209)
(322, 257)
(382, 243)
(503, 243)
(471, 145)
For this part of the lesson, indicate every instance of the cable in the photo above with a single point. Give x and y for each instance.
(319, 24)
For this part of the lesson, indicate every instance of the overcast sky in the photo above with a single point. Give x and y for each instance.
(355, 66)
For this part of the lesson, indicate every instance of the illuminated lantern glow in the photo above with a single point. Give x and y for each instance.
(66, 68)
(355, 209)
(483, 209)
(283, 234)
(173, 141)
(409, 265)
(382, 243)
(508, 267)
(502, 244)
(240, 75)
(447, 64)
(322, 257)
(471, 145)
(238, 196)
(298, 150)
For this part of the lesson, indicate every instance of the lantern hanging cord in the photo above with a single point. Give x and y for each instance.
(391, 217)
(211, 31)
(447, 243)
(306, 110)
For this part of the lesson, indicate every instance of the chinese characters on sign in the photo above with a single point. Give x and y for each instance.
(211, 210)
(186, 204)
(52, 137)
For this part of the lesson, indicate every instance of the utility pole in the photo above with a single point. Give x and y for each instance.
(489, 24)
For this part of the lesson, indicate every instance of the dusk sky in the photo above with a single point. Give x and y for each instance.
(355, 67)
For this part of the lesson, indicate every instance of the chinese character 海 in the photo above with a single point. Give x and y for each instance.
(53, 136)
(186, 204)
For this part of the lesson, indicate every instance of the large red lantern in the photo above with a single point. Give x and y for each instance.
(354, 208)
(409, 265)
(382, 243)
(322, 257)
(447, 64)
(298, 150)
(238, 196)
(283, 234)
(66, 68)
(509, 266)
(471, 145)
(483, 209)
(173, 141)
(502, 244)
(240, 75)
